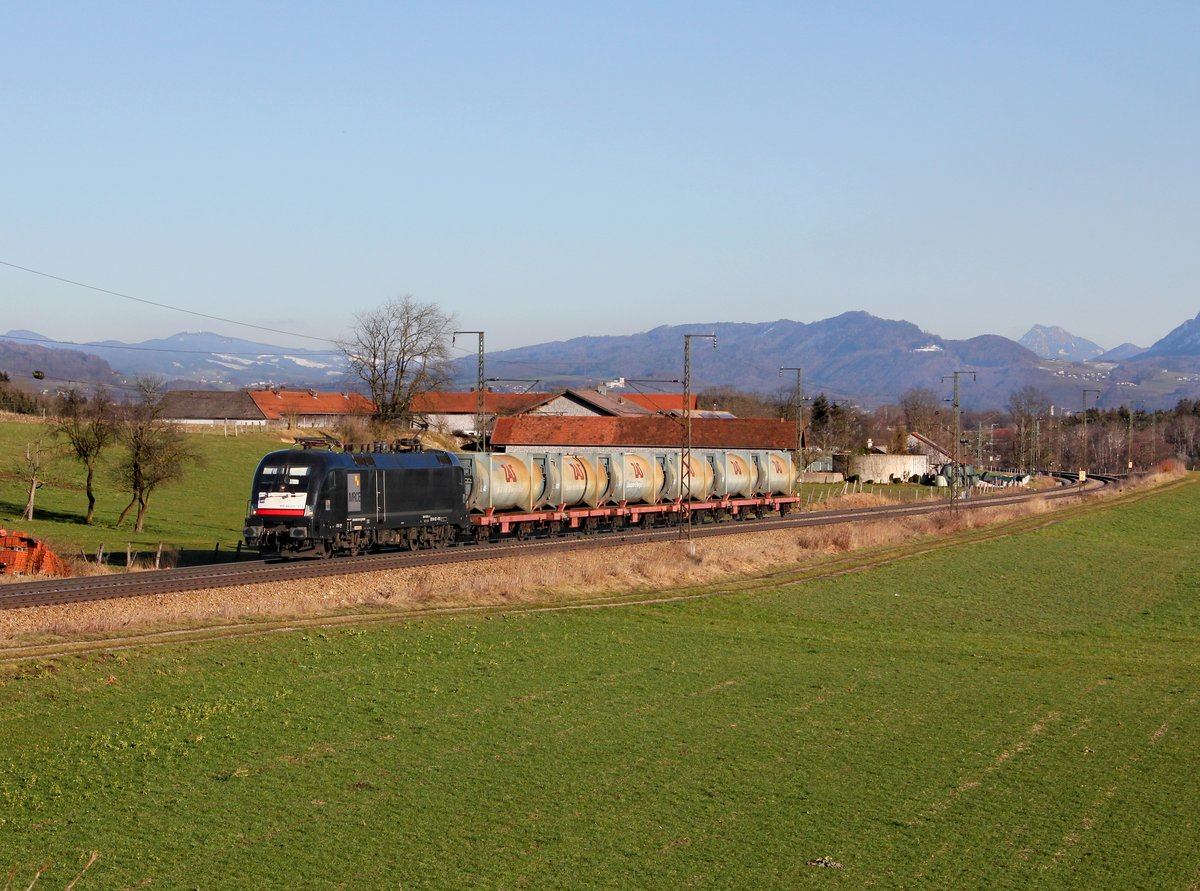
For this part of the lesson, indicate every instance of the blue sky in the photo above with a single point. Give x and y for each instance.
(545, 171)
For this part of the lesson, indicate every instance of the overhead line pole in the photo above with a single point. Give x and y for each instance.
(480, 397)
(1083, 470)
(957, 432)
(798, 398)
(685, 454)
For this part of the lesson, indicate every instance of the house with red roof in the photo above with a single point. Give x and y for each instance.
(310, 408)
(264, 408)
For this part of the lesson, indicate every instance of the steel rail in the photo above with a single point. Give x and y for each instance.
(49, 592)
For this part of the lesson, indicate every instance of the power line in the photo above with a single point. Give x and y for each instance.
(146, 349)
(191, 312)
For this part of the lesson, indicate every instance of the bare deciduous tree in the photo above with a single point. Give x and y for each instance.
(156, 451)
(1026, 405)
(89, 426)
(33, 468)
(399, 351)
(920, 406)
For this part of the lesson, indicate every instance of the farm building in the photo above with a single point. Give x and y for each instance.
(923, 445)
(263, 408)
(309, 408)
(535, 433)
(455, 412)
(232, 408)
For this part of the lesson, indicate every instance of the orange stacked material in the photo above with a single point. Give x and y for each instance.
(22, 554)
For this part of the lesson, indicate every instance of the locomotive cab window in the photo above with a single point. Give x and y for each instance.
(281, 478)
(282, 488)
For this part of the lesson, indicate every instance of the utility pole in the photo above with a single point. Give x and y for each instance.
(480, 394)
(685, 454)
(1083, 470)
(957, 432)
(798, 398)
(1129, 445)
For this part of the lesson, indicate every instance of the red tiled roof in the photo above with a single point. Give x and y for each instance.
(277, 404)
(653, 431)
(661, 401)
(465, 403)
(607, 404)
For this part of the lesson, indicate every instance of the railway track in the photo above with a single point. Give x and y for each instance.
(47, 592)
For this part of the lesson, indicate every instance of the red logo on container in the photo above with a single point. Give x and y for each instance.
(510, 473)
(638, 473)
(577, 471)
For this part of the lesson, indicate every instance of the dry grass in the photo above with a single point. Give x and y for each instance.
(513, 581)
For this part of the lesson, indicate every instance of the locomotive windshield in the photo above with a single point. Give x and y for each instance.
(282, 488)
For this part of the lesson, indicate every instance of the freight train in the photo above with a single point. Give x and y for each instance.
(316, 503)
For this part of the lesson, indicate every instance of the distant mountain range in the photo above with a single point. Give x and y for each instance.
(855, 357)
(201, 360)
(867, 360)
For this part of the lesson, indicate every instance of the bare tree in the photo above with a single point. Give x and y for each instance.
(156, 451)
(1027, 404)
(33, 468)
(399, 351)
(744, 404)
(89, 427)
(920, 406)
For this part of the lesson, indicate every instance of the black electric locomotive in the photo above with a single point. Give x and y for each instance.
(316, 503)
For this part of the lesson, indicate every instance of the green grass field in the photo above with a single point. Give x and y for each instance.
(207, 508)
(1014, 713)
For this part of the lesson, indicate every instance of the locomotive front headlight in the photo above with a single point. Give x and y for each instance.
(308, 510)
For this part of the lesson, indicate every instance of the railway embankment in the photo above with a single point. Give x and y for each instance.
(615, 574)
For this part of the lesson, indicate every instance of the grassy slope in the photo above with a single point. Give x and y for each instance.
(1019, 713)
(206, 508)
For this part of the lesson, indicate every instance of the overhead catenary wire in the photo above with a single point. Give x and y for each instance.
(192, 312)
(145, 349)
